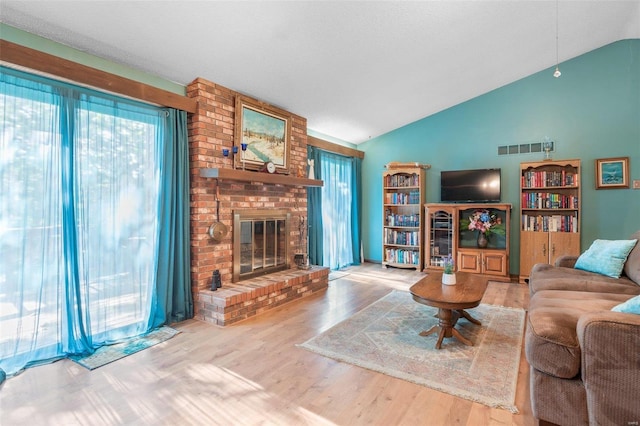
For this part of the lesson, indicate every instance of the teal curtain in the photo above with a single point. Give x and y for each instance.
(89, 184)
(335, 210)
(174, 300)
(356, 212)
(314, 210)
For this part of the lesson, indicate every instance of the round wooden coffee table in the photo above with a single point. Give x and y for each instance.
(451, 301)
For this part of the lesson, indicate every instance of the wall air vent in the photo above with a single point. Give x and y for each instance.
(523, 148)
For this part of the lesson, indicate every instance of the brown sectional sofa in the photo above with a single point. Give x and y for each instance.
(584, 358)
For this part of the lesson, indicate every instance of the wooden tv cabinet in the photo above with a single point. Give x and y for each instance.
(444, 237)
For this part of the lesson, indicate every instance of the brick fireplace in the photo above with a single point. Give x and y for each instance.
(210, 130)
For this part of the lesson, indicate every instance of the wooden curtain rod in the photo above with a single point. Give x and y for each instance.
(59, 67)
(334, 147)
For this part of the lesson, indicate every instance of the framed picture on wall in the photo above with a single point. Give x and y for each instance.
(612, 173)
(262, 134)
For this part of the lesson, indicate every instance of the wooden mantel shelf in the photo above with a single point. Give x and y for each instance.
(251, 176)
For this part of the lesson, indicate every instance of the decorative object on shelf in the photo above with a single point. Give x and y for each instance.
(265, 130)
(486, 223)
(448, 274)
(483, 241)
(312, 172)
(268, 167)
(244, 150)
(226, 152)
(612, 173)
(547, 147)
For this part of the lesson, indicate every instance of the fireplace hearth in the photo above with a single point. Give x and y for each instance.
(260, 242)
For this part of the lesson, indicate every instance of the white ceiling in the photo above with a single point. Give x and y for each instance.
(354, 69)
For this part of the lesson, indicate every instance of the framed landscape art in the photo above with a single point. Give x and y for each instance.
(612, 173)
(262, 134)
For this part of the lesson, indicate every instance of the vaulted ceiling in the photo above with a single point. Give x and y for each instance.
(354, 69)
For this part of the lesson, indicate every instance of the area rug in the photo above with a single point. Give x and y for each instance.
(107, 354)
(384, 337)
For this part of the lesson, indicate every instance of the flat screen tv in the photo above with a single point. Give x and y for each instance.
(470, 186)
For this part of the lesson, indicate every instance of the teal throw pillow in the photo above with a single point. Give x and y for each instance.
(631, 306)
(606, 257)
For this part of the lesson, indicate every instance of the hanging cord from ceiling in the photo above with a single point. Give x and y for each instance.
(557, 72)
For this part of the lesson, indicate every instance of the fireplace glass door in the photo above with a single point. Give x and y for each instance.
(262, 245)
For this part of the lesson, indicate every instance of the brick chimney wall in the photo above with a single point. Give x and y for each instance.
(210, 130)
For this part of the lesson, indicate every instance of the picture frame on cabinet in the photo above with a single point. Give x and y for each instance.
(612, 173)
(262, 134)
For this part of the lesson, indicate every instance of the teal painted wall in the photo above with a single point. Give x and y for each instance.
(35, 42)
(592, 111)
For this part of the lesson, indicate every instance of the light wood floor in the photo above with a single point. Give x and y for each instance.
(252, 373)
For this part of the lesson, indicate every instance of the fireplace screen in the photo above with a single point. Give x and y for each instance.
(260, 241)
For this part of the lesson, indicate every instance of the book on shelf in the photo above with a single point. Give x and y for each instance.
(548, 200)
(542, 179)
(401, 180)
(392, 219)
(401, 256)
(405, 238)
(552, 223)
(402, 198)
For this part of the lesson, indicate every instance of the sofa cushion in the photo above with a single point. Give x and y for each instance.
(551, 341)
(547, 277)
(631, 306)
(606, 257)
(632, 265)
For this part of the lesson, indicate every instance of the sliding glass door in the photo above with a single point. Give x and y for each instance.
(79, 197)
(339, 210)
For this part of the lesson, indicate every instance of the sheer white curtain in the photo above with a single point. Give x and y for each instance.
(337, 199)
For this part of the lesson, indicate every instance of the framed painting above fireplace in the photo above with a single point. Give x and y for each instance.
(262, 134)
